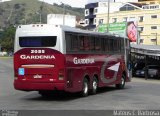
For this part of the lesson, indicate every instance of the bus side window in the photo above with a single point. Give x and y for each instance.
(68, 42)
(122, 45)
(97, 44)
(106, 44)
(92, 43)
(84, 43)
(81, 43)
(74, 42)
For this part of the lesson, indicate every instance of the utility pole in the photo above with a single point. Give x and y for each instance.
(40, 13)
(108, 16)
(155, 37)
(64, 9)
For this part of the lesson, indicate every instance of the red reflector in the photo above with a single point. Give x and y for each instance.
(61, 74)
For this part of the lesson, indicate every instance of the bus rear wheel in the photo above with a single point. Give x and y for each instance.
(85, 88)
(121, 85)
(94, 85)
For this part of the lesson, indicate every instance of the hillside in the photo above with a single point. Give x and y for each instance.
(17, 12)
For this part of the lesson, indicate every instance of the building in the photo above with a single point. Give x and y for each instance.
(94, 7)
(61, 19)
(146, 13)
(4, 0)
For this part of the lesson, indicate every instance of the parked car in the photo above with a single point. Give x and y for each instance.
(154, 71)
(138, 69)
(140, 72)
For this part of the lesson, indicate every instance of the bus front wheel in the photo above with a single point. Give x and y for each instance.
(121, 85)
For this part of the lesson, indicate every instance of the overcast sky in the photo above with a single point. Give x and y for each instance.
(73, 3)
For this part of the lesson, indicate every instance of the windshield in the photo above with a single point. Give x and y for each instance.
(41, 41)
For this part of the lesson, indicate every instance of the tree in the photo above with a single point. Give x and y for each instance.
(7, 41)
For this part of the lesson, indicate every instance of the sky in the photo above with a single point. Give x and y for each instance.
(80, 3)
(73, 3)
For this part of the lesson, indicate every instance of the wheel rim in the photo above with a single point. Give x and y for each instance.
(122, 81)
(85, 88)
(94, 85)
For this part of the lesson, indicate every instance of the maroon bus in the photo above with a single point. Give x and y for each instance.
(53, 57)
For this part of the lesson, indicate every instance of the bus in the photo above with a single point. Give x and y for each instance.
(60, 58)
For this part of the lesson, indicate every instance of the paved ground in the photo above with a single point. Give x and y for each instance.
(138, 94)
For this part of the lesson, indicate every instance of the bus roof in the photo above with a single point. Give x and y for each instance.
(72, 29)
(78, 30)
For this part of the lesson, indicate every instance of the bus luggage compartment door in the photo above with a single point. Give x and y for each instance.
(34, 73)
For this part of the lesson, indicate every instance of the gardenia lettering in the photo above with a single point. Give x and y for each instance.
(37, 57)
(83, 61)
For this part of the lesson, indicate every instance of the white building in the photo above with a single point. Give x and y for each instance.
(4, 0)
(94, 1)
(60, 19)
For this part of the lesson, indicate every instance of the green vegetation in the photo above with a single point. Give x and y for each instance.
(17, 12)
(7, 38)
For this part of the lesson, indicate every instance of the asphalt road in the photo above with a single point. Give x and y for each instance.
(138, 94)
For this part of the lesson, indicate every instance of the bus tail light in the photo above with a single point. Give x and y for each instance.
(61, 74)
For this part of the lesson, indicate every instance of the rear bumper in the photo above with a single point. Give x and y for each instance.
(30, 86)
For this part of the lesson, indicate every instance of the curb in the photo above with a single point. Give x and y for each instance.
(6, 57)
(154, 81)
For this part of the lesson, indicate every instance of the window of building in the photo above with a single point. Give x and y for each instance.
(153, 40)
(141, 41)
(153, 16)
(101, 21)
(95, 10)
(114, 20)
(127, 8)
(125, 19)
(153, 27)
(152, 2)
(86, 12)
(95, 21)
(141, 18)
(140, 29)
(132, 19)
(86, 21)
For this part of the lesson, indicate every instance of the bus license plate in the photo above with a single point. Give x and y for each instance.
(37, 76)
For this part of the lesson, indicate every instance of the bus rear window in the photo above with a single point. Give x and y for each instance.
(42, 41)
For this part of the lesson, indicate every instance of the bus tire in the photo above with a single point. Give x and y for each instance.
(94, 85)
(121, 85)
(85, 88)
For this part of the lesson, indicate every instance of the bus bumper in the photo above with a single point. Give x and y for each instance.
(30, 86)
